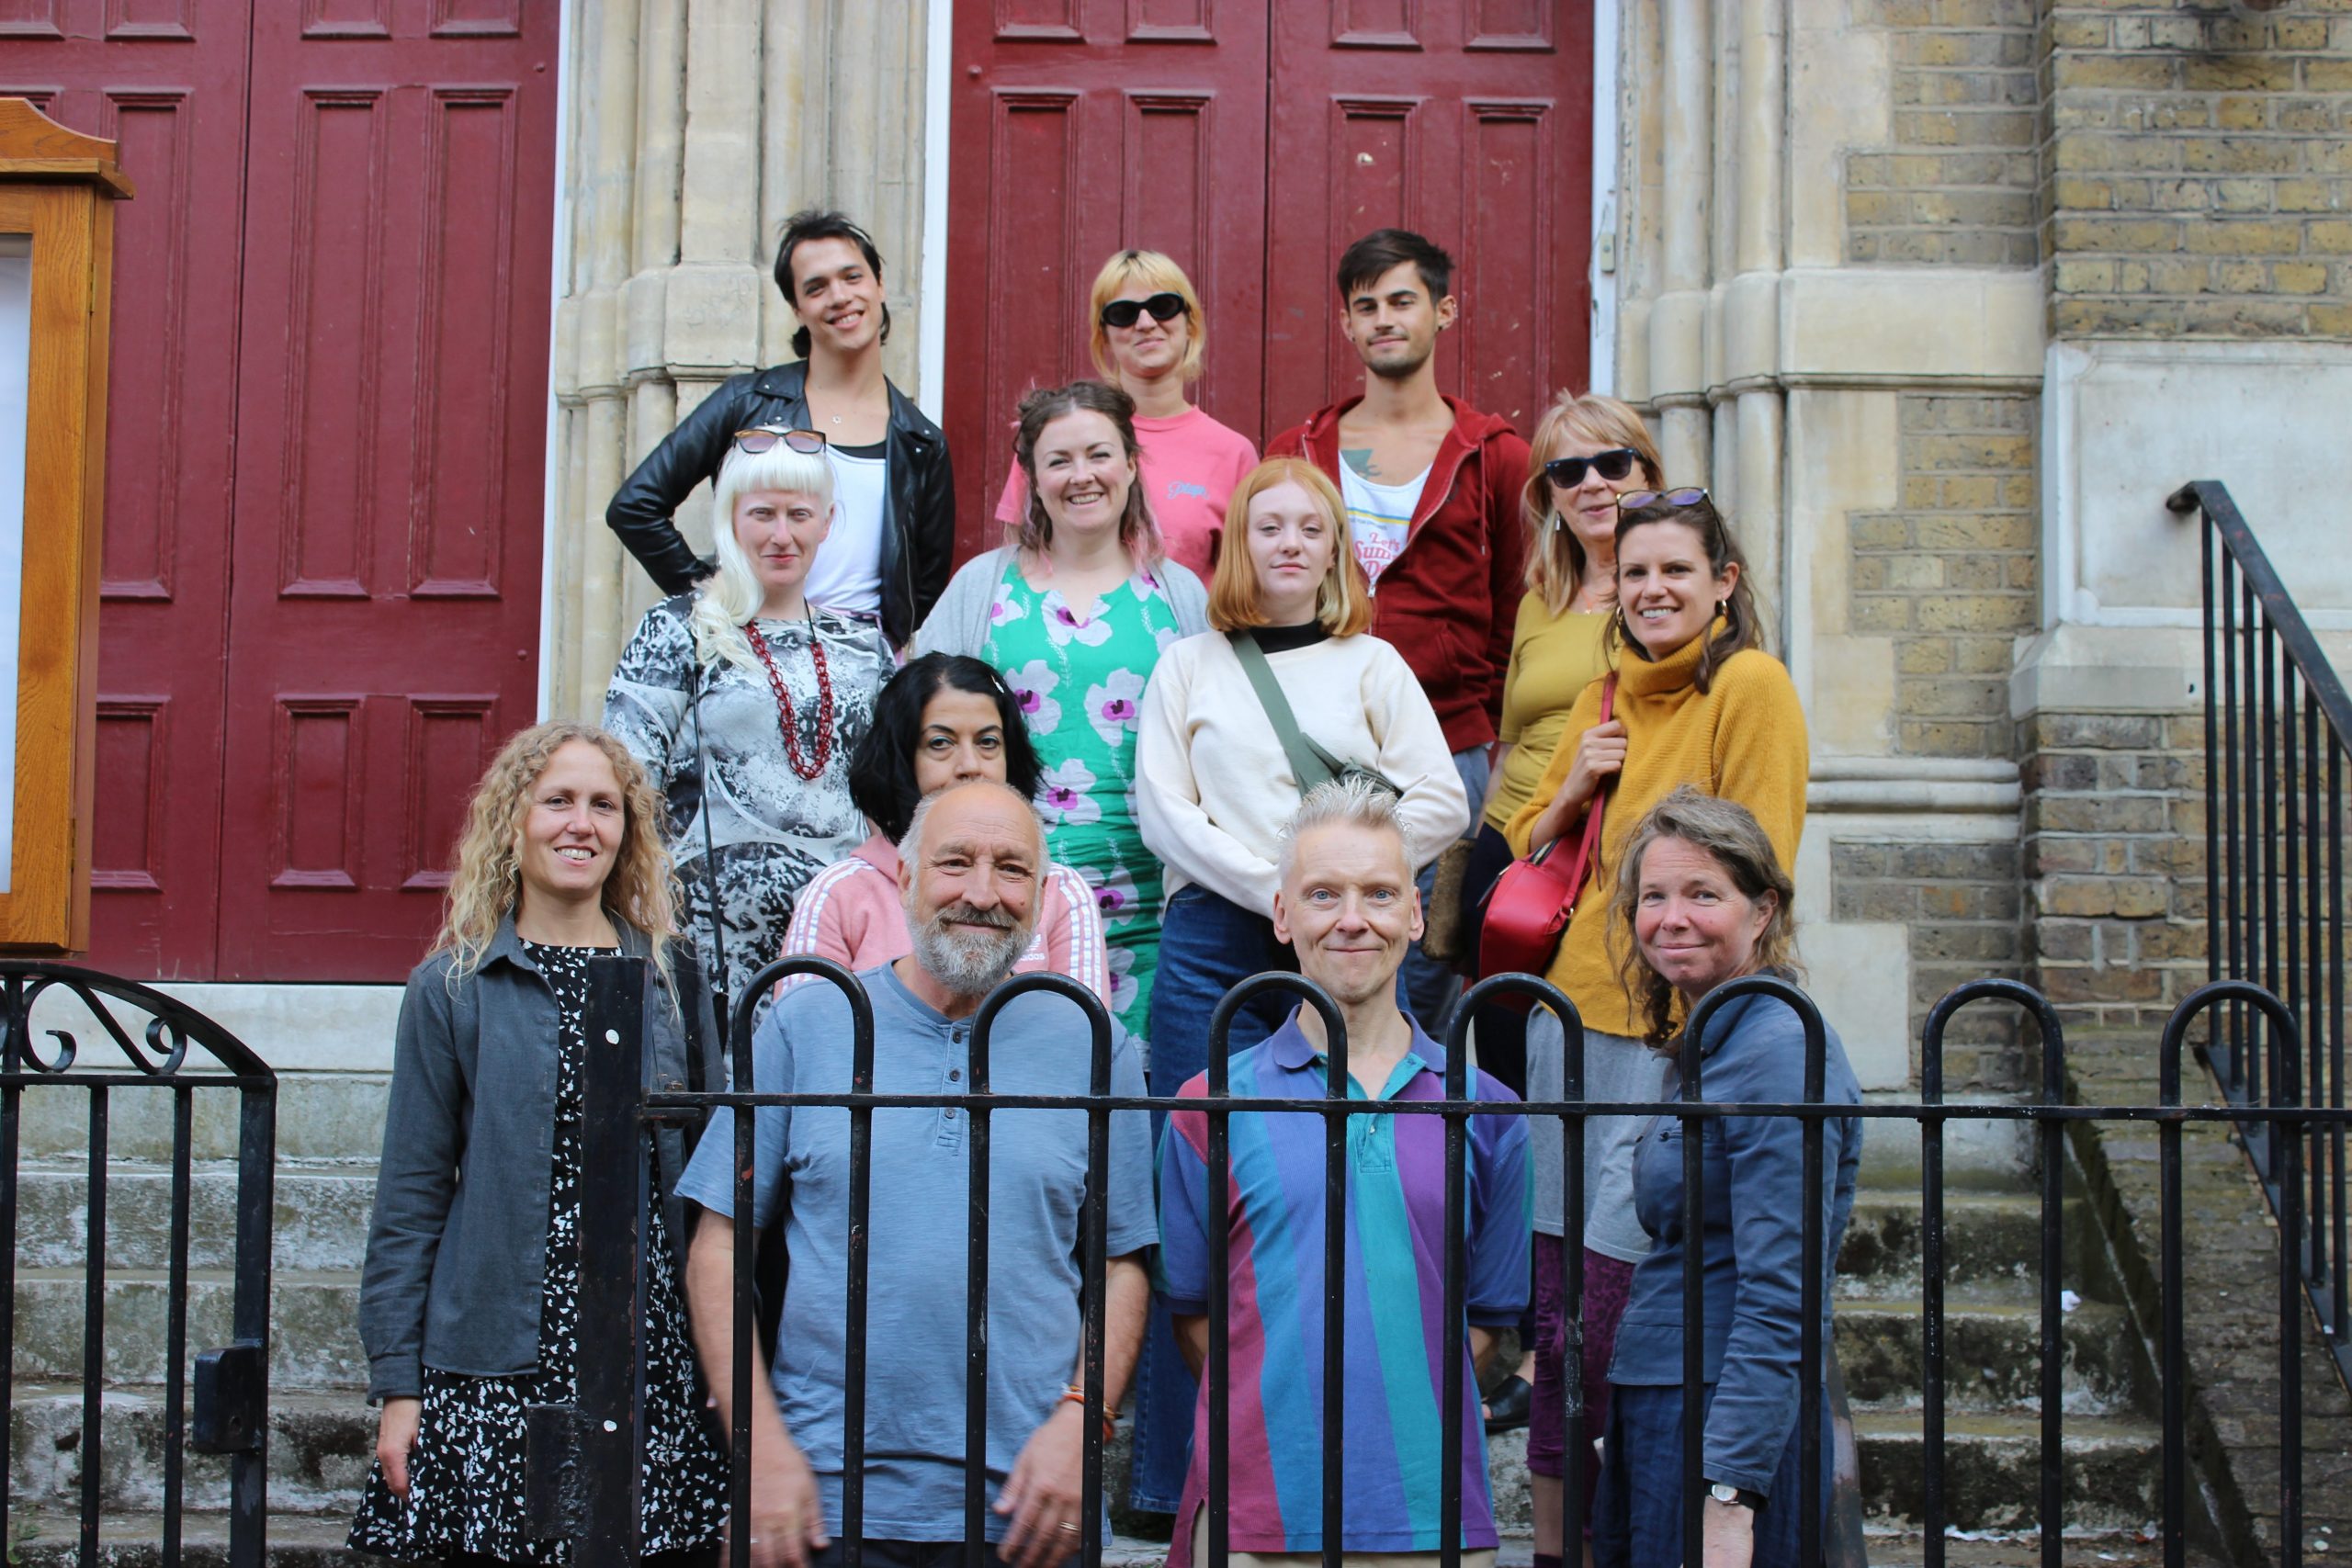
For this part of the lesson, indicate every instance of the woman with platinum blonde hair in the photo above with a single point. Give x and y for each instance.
(744, 702)
(470, 1302)
(1146, 331)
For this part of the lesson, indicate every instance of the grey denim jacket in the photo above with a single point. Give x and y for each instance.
(457, 1248)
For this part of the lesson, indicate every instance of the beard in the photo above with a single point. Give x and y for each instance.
(1401, 368)
(970, 963)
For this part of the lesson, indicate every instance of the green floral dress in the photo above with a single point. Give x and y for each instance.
(1081, 682)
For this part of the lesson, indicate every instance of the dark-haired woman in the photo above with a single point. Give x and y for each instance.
(470, 1302)
(1698, 703)
(944, 719)
(1704, 897)
(1076, 611)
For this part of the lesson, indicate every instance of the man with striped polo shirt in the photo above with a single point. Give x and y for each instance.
(1348, 906)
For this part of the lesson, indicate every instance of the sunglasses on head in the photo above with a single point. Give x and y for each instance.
(1635, 500)
(761, 439)
(1123, 313)
(1569, 472)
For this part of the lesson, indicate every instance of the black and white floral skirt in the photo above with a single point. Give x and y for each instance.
(465, 1474)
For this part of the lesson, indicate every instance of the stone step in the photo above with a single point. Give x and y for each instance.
(1992, 1243)
(1992, 1470)
(320, 1448)
(320, 1215)
(1992, 1356)
(328, 1116)
(314, 1333)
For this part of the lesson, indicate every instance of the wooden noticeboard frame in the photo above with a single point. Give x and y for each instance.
(58, 189)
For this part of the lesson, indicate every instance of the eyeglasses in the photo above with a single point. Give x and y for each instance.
(1635, 500)
(762, 438)
(1124, 313)
(1569, 472)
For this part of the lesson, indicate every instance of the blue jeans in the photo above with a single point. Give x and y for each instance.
(1207, 945)
(1637, 1516)
(1430, 987)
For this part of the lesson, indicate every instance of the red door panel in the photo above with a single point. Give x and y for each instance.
(392, 409)
(168, 80)
(1083, 127)
(1469, 121)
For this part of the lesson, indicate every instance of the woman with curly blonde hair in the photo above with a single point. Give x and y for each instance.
(471, 1290)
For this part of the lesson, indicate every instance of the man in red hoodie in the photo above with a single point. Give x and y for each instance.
(1433, 489)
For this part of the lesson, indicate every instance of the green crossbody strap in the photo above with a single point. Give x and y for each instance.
(1309, 763)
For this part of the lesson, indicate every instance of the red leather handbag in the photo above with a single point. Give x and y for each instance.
(1527, 909)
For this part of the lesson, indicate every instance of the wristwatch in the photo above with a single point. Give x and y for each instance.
(1722, 1493)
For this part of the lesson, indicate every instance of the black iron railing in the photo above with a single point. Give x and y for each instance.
(219, 1405)
(605, 1509)
(2277, 734)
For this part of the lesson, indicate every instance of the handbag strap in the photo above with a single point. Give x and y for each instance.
(1309, 765)
(1589, 846)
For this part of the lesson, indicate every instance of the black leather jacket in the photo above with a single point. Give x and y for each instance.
(918, 526)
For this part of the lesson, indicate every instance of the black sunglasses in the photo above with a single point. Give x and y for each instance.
(1612, 466)
(1635, 500)
(753, 442)
(1124, 313)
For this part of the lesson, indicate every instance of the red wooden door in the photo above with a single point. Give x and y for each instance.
(391, 453)
(1081, 128)
(326, 438)
(1253, 143)
(168, 81)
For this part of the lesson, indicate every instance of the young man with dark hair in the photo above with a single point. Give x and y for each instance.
(1433, 489)
(894, 532)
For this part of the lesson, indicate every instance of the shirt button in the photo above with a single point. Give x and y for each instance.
(955, 1075)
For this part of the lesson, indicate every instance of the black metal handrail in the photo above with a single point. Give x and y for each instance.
(2277, 738)
(230, 1384)
(617, 1169)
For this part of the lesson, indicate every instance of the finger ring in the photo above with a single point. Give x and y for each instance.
(1072, 1529)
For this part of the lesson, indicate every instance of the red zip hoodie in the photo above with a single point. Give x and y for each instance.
(1448, 600)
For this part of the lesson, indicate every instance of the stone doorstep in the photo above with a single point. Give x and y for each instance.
(320, 1215)
(2232, 1344)
(314, 1337)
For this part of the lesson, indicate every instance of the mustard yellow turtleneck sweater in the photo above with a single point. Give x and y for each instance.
(1743, 739)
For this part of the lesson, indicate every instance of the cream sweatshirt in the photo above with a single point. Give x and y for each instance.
(1213, 788)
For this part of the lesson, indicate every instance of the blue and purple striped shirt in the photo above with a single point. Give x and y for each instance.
(1393, 1310)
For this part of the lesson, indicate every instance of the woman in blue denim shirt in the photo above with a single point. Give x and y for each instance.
(1705, 901)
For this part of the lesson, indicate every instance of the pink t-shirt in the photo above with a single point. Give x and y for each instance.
(1189, 465)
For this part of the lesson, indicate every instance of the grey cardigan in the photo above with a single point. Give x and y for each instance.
(960, 622)
(458, 1247)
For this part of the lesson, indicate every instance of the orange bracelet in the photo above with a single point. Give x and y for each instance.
(1073, 1394)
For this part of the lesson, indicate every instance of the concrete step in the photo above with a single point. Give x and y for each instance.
(1992, 1356)
(329, 1116)
(319, 1447)
(320, 1219)
(1992, 1243)
(314, 1333)
(1992, 1470)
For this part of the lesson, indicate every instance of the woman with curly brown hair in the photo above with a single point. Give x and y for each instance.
(471, 1294)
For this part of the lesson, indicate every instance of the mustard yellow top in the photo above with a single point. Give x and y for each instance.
(1553, 658)
(1743, 739)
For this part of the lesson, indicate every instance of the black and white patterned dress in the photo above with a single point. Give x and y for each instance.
(465, 1474)
(769, 829)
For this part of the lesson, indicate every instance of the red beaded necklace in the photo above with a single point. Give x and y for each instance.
(784, 701)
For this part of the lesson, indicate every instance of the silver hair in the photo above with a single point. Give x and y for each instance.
(910, 842)
(1352, 802)
(732, 595)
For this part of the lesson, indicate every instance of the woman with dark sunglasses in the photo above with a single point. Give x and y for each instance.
(745, 700)
(1587, 451)
(1147, 338)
